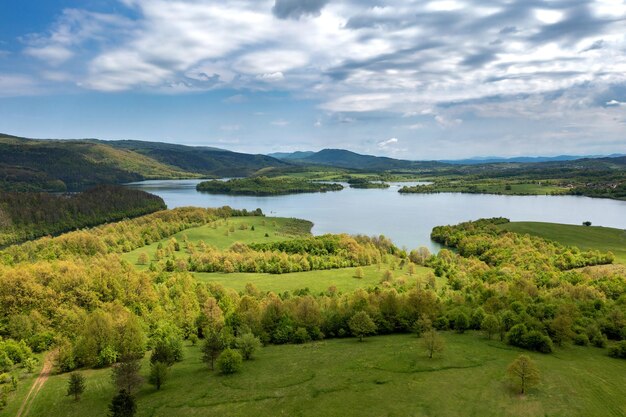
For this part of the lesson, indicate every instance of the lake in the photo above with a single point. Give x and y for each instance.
(405, 218)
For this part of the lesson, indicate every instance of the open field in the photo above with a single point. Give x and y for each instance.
(223, 233)
(385, 375)
(584, 237)
(317, 281)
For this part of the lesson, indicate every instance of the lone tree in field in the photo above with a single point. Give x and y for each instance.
(125, 376)
(433, 343)
(524, 373)
(76, 385)
(158, 374)
(212, 347)
(361, 324)
(143, 259)
(358, 273)
(123, 405)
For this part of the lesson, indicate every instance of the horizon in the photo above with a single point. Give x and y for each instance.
(443, 79)
(476, 158)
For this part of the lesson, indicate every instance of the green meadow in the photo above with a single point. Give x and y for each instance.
(383, 376)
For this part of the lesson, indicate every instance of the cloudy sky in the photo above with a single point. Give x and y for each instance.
(412, 79)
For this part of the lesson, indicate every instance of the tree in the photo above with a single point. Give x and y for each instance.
(229, 361)
(461, 322)
(123, 405)
(361, 324)
(247, 345)
(125, 376)
(158, 374)
(358, 273)
(524, 373)
(76, 385)
(433, 343)
(212, 347)
(143, 259)
(490, 325)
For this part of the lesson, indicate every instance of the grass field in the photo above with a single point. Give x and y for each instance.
(316, 281)
(584, 237)
(383, 376)
(223, 233)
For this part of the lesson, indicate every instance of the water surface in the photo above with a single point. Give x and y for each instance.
(405, 218)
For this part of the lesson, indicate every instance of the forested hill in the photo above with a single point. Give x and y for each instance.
(71, 165)
(341, 158)
(200, 159)
(26, 216)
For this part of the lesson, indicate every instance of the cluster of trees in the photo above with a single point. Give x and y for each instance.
(26, 216)
(366, 183)
(483, 239)
(266, 186)
(295, 255)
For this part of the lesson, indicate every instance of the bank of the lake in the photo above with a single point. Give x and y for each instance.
(405, 218)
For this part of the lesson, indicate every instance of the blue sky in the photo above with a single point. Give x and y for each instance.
(412, 79)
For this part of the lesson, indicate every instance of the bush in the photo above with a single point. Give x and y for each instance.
(301, 336)
(618, 350)
(229, 362)
(247, 345)
(581, 339)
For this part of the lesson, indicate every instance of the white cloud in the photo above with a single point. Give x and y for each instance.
(387, 143)
(615, 103)
(280, 123)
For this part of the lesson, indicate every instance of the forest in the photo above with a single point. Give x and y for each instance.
(26, 216)
(265, 186)
(75, 293)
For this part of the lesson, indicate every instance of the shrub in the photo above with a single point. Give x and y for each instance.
(301, 336)
(229, 362)
(618, 350)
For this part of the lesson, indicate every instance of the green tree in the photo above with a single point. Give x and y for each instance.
(358, 273)
(143, 259)
(490, 325)
(229, 361)
(461, 322)
(123, 405)
(125, 376)
(247, 344)
(361, 324)
(76, 385)
(433, 343)
(524, 373)
(158, 374)
(212, 347)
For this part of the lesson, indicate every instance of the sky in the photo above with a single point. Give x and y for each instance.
(423, 79)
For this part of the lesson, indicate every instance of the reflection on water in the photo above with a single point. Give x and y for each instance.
(405, 218)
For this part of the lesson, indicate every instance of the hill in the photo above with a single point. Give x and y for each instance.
(200, 159)
(71, 165)
(342, 158)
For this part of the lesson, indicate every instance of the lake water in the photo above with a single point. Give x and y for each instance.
(405, 218)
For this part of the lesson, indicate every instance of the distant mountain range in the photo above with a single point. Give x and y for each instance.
(349, 159)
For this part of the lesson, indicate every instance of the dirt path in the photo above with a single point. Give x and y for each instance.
(37, 385)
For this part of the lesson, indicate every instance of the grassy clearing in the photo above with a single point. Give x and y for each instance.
(386, 375)
(584, 237)
(26, 380)
(317, 281)
(223, 233)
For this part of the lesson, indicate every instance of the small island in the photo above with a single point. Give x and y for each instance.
(264, 186)
(366, 183)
